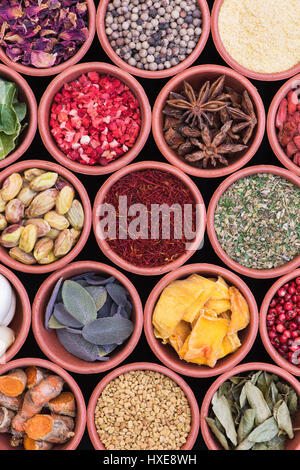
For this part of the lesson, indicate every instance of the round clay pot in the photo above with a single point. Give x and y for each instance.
(82, 196)
(48, 341)
(116, 259)
(272, 129)
(22, 319)
(25, 95)
(98, 445)
(73, 443)
(197, 76)
(36, 72)
(165, 352)
(280, 361)
(100, 24)
(71, 74)
(250, 272)
(208, 436)
(233, 63)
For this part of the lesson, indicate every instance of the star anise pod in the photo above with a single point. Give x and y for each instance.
(196, 109)
(246, 115)
(213, 149)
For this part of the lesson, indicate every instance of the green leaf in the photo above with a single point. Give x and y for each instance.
(246, 424)
(222, 410)
(21, 110)
(219, 435)
(283, 418)
(78, 302)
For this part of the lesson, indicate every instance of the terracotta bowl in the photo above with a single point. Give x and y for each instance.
(25, 95)
(233, 63)
(250, 272)
(22, 318)
(209, 438)
(82, 196)
(33, 71)
(142, 366)
(197, 76)
(166, 354)
(71, 74)
(47, 340)
(73, 443)
(272, 129)
(100, 24)
(280, 361)
(116, 259)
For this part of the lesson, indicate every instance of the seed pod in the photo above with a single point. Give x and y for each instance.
(55, 220)
(14, 211)
(63, 243)
(3, 222)
(28, 238)
(11, 235)
(26, 195)
(2, 204)
(76, 215)
(44, 181)
(50, 258)
(43, 228)
(75, 235)
(32, 173)
(42, 203)
(11, 187)
(64, 200)
(42, 248)
(19, 255)
(53, 234)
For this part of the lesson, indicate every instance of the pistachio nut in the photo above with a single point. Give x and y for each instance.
(14, 211)
(19, 255)
(42, 248)
(76, 215)
(28, 238)
(26, 195)
(53, 233)
(2, 204)
(50, 258)
(11, 187)
(64, 200)
(32, 173)
(42, 203)
(43, 228)
(75, 235)
(11, 235)
(63, 243)
(55, 220)
(3, 222)
(43, 181)
(61, 183)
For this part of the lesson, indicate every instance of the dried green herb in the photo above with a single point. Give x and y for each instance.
(253, 412)
(257, 221)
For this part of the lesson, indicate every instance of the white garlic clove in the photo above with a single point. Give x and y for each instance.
(11, 312)
(7, 338)
(6, 298)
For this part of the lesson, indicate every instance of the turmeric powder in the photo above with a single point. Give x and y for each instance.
(13, 384)
(51, 428)
(64, 404)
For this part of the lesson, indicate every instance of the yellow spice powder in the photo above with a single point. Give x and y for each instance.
(261, 35)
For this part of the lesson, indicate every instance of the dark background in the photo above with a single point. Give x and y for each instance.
(91, 251)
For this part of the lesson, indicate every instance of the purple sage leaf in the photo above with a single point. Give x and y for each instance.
(51, 302)
(117, 293)
(78, 302)
(65, 318)
(108, 330)
(105, 311)
(77, 346)
(99, 294)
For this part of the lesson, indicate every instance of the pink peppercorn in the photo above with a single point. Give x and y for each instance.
(95, 119)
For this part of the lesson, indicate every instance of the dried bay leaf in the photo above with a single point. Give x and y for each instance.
(246, 424)
(257, 402)
(243, 397)
(108, 330)
(219, 435)
(277, 443)
(260, 446)
(262, 433)
(222, 410)
(292, 401)
(283, 418)
(78, 302)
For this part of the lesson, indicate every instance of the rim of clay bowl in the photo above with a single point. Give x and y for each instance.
(167, 355)
(72, 73)
(174, 83)
(36, 72)
(116, 259)
(84, 198)
(142, 366)
(280, 361)
(48, 341)
(73, 443)
(233, 63)
(250, 272)
(272, 130)
(100, 20)
(207, 435)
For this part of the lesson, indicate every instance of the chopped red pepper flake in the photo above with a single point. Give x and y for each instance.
(95, 119)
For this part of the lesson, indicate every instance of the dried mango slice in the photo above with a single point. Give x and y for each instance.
(240, 315)
(180, 334)
(192, 312)
(203, 344)
(229, 344)
(219, 306)
(221, 291)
